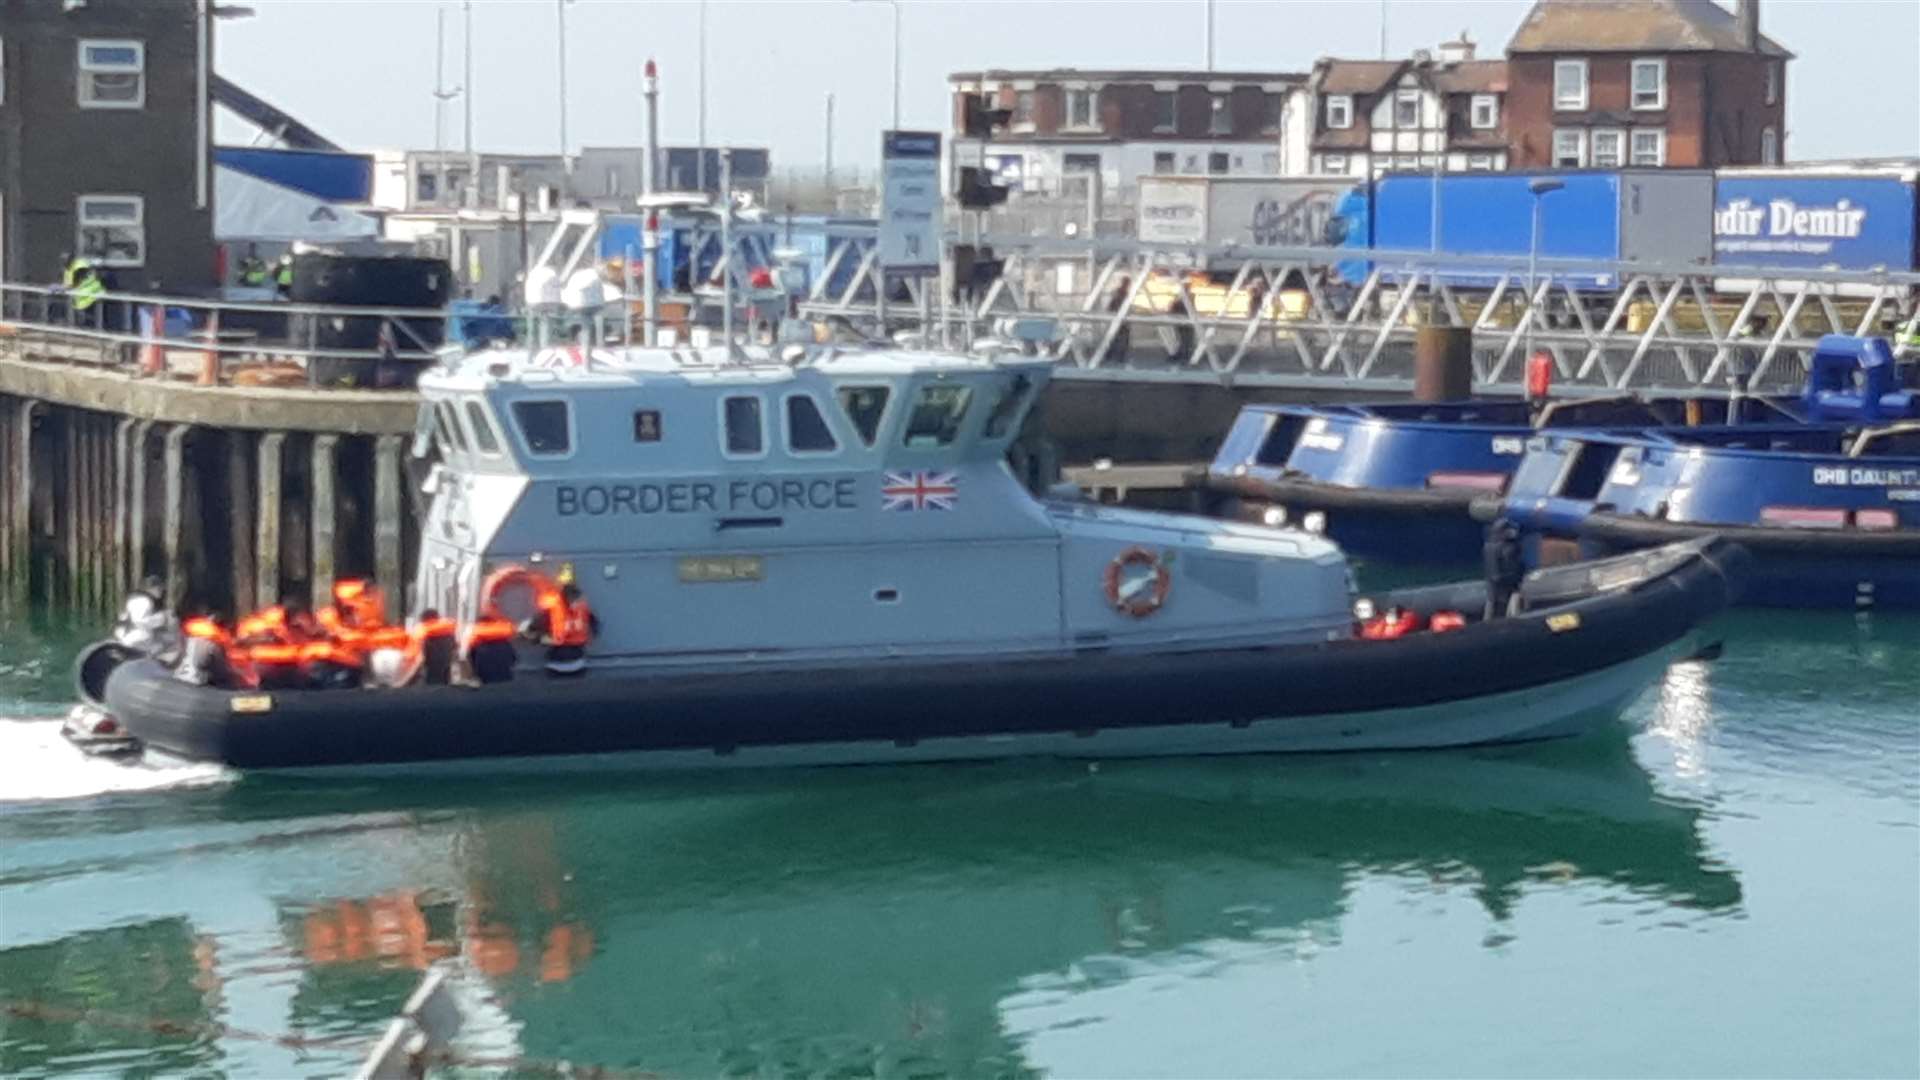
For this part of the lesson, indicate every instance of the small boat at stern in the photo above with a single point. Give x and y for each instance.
(823, 558)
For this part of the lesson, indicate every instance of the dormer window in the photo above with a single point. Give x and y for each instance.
(1340, 111)
(1486, 112)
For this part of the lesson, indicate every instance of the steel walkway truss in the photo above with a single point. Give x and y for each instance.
(1304, 316)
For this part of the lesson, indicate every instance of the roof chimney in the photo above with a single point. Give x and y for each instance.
(1747, 21)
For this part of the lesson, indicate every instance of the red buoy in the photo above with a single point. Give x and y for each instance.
(1539, 375)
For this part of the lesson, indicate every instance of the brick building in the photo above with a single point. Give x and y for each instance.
(105, 122)
(1375, 115)
(1071, 126)
(1682, 83)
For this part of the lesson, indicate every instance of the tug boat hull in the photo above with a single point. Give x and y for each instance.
(1588, 640)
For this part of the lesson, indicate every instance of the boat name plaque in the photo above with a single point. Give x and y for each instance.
(707, 496)
(1864, 476)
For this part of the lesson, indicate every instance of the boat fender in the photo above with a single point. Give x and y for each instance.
(1145, 596)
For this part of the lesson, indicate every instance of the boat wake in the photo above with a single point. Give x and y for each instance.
(37, 764)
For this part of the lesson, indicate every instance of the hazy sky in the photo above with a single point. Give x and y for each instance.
(362, 71)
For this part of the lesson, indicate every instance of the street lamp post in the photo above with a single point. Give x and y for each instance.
(700, 113)
(1540, 188)
(441, 95)
(896, 60)
(566, 163)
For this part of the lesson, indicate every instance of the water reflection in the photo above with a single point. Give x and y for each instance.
(848, 920)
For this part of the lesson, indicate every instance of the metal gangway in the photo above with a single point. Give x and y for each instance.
(1348, 317)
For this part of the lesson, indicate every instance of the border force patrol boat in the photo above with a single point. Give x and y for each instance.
(823, 558)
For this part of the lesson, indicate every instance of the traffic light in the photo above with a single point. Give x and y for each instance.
(977, 191)
(979, 121)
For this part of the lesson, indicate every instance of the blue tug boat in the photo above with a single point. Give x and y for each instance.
(1830, 511)
(1397, 482)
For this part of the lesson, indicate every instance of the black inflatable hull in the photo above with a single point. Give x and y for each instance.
(1594, 637)
(1792, 568)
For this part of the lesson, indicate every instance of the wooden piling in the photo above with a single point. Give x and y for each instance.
(325, 517)
(137, 504)
(8, 468)
(240, 519)
(386, 523)
(174, 465)
(122, 478)
(20, 538)
(267, 519)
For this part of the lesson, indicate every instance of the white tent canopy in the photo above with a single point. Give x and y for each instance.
(249, 208)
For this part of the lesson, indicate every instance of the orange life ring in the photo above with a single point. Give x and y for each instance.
(1144, 601)
(508, 577)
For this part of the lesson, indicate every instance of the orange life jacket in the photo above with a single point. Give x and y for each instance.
(1444, 621)
(274, 654)
(569, 624)
(345, 654)
(489, 629)
(203, 627)
(1386, 627)
(264, 627)
(432, 628)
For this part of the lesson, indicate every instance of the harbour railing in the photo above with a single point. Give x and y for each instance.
(222, 342)
(1328, 316)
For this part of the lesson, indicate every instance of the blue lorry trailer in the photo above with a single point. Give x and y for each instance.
(1864, 219)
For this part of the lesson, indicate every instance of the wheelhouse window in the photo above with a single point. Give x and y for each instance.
(545, 427)
(1650, 84)
(807, 430)
(1012, 397)
(1570, 85)
(937, 413)
(450, 432)
(484, 438)
(113, 74)
(865, 407)
(112, 229)
(745, 433)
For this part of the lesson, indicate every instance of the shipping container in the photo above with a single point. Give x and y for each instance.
(1249, 211)
(1660, 217)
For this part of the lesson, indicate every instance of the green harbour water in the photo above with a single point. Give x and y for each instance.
(1724, 884)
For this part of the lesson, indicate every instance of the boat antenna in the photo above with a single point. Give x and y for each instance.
(726, 249)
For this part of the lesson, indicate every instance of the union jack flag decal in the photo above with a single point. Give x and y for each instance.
(919, 490)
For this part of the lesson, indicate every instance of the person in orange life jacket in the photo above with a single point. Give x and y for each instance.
(206, 658)
(489, 647)
(356, 605)
(434, 645)
(271, 648)
(566, 624)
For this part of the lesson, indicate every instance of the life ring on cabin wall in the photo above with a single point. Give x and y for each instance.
(497, 592)
(1146, 597)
